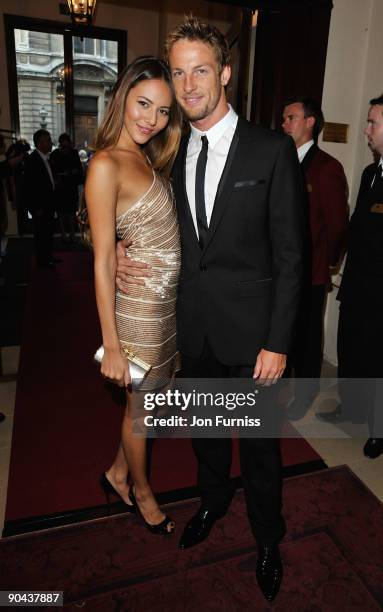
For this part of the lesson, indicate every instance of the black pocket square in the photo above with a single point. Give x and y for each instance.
(250, 183)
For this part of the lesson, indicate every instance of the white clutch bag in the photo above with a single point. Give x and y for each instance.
(138, 368)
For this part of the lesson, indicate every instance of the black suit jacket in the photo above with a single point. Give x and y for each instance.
(363, 272)
(241, 292)
(37, 186)
(5, 169)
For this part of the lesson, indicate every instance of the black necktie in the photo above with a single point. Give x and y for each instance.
(200, 192)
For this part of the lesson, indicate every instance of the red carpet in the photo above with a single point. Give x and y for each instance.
(332, 553)
(66, 426)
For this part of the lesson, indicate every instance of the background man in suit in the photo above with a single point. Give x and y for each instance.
(325, 187)
(360, 329)
(238, 195)
(38, 193)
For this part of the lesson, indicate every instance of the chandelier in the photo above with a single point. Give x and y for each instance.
(82, 12)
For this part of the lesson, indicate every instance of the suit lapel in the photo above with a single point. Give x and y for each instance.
(231, 171)
(308, 158)
(182, 201)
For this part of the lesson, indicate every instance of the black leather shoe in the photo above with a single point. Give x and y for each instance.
(198, 528)
(269, 570)
(373, 448)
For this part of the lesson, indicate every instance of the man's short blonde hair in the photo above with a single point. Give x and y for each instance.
(193, 28)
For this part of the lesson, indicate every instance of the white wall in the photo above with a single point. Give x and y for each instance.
(354, 75)
(344, 92)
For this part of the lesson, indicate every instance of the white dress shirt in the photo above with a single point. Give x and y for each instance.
(219, 137)
(45, 159)
(380, 165)
(302, 150)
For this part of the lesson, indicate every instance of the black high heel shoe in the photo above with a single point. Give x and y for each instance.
(160, 528)
(110, 490)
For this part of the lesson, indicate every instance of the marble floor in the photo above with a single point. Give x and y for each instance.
(336, 446)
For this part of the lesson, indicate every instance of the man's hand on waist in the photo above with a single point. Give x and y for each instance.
(129, 272)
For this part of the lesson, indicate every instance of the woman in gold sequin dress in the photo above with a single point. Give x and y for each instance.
(128, 193)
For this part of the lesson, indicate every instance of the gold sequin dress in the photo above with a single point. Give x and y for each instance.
(146, 318)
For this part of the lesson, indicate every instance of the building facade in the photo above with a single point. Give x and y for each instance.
(40, 81)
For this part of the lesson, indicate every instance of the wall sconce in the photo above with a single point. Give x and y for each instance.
(43, 116)
(82, 12)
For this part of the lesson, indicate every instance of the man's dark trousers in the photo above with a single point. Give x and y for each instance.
(260, 460)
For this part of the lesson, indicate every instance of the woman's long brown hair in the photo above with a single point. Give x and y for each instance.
(161, 149)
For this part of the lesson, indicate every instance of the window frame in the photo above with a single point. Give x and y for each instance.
(68, 31)
(84, 52)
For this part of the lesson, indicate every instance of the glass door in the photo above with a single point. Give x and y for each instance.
(61, 77)
(95, 71)
(40, 82)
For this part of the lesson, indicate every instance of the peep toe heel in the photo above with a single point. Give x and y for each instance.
(159, 528)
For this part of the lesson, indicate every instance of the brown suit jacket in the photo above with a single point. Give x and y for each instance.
(327, 191)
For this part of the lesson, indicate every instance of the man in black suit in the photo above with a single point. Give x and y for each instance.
(38, 194)
(238, 195)
(360, 329)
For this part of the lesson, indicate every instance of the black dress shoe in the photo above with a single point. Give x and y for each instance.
(198, 528)
(373, 448)
(269, 570)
